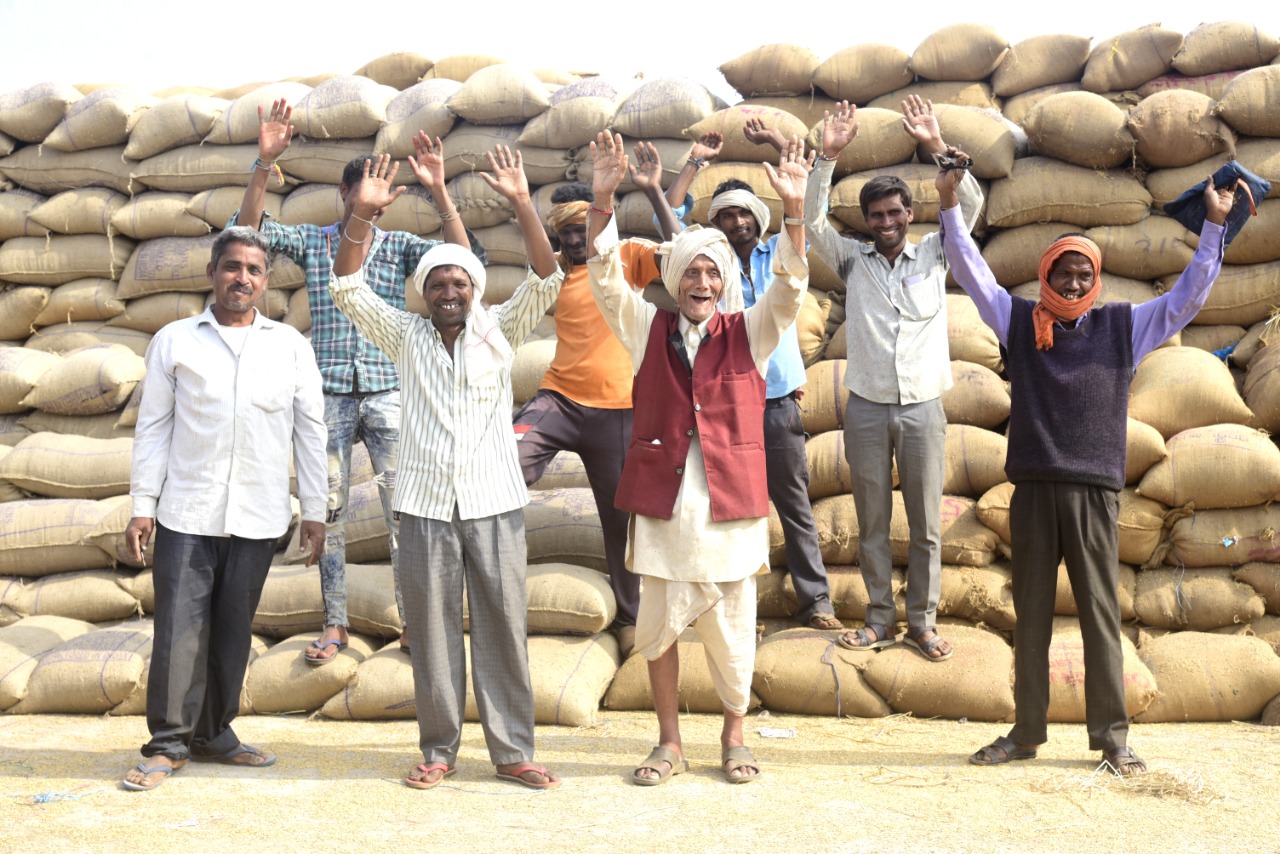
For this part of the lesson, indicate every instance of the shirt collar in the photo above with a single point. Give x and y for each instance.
(260, 320)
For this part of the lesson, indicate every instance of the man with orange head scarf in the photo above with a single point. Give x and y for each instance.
(1070, 360)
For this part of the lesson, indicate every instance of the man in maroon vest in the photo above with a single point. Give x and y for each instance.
(694, 477)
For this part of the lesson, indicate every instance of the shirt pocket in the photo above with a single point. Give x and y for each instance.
(272, 392)
(921, 296)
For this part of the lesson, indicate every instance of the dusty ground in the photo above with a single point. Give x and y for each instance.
(894, 784)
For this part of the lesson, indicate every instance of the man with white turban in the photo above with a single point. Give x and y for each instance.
(694, 477)
(460, 493)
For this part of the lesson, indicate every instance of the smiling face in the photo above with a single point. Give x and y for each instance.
(700, 289)
(888, 219)
(239, 277)
(448, 292)
(739, 225)
(1072, 276)
(573, 240)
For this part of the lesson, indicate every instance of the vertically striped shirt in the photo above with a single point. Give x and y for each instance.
(456, 442)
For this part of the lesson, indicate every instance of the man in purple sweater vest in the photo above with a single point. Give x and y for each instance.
(1070, 363)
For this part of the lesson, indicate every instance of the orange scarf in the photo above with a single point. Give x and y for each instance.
(564, 214)
(1052, 307)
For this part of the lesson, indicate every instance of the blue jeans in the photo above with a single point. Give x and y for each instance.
(375, 420)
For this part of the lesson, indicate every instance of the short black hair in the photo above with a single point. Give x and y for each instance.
(733, 184)
(353, 172)
(883, 186)
(575, 192)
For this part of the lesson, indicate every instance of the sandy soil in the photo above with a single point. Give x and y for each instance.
(893, 784)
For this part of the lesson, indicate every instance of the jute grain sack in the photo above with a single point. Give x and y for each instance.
(808, 107)
(1178, 388)
(1262, 389)
(1225, 537)
(45, 170)
(500, 94)
(960, 93)
(772, 69)
(531, 361)
(238, 123)
(704, 186)
(216, 206)
(729, 123)
(31, 114)
(1211, 337)
(60, 259)
(974, 460)
(978, 397)
(1213, 85)
(1066, 675)
(993, 510)
(804, 671)
(1130, 59)
(564, 599)
(167, 264)
(150, 313)
(16, 206)
(664, 107)
(969, 339)
(415, 212)
(1243, 678)
(52, 465)
(107, 534)
(90, 673)
(771, 587)
(1178, 128)
(965, 540)
(1080, 128)
(1065, 605)
(1040, 189)
(419, 107)
(8, 492)
(106, 117)
(157, 214)
(563, 526)
(81, 334)
(822, 407)
(342, 107)
(570, 676)
(1144, 447)
(174, 121)
(195, 168)
(880, 142)
(983, 594)
(23, 643)
(102, 426)
(976, 683)
(569, 124)
(1265, 579)
(88, 382)
(860, 73)
(19, 308)
(1216, 467)
(85, 211)
(984, 136)
(282, 681)
(1196, 599)
(1017, 108)
(1040, 61)
(1141, 524)
(93, 595)
(1262, 157)
(371, 600)
(1225, 46)
(322, 160)
(1254, 341)
(631, 691)
(565, 471)
(1248, 104)
(811, 326)
(1165, 185)
(828, 466)
(1260, 243)
(381, 689)
(849, 593)
(959, 52)
(460, 67)
(634, 215)
(477, 204)
(399, 70)
(290, 602)
(365, 529)
(1013, 254)
(503, 279)
(313, 204)
(1148, 249)
(298, 314)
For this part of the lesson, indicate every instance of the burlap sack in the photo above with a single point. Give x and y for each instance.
(365, 529)
(1265, 579)
(459, 67)
(969, 338)
(531, 362)
(1148, 249)
(174, 121)
(822, 408)
(93, 595)
(1013, 254)
(1130, 59)
(1141, 524)
(974, 460)
(1017, 108)
(298, 314)
(1065, 605)
(860, 73)
(729, 123)
(107, 534)
(1178, 128)
(1262, 389)
(569, 123)
(982, 133)
(1220, 466)
(102, 118)
(564, 599)
(808, 108)
(828, 466)
(30, 114)
(1248, 102)
(477, 204)
(290, 602)
(23, 643)
(1254, 341)
(1261, 157)
(849, 593)
(282, 681)
(216, 206)
(1040, 189)
(880, 142)
(195, 168)
(16, 206)
(89, 381)
(45, 170)
(20, 371)
(60, 259)
(978, 397)
(960, 93)
(804, 671)
(156, 214)
(19, 308)
(1225, 537)
(1243, 677)
(1165, 185)
(238, 123)
(342, 107)
(1080, 128)
(150, 313)
(1040, 61)
(976, 682)
(982, 594)
(634, 215)
(58, 466)
(664, 107)
(313, 204)
(381, 689)
(167, 264)
(563, 526)
(811, 325)
(90, 673)
(630, 690)
(772, 69)
(85, 211)
(323, 160)
(1213, 85)
(418, 107)
(1195, 599)
(565, 471)
(1211, 337)
(500, 94)
(104, 426)
(959, 52)
(1225, 46)
(83, 334)
(1066, 675)
(399, 70)
(1144, 447)
(965, 540)
(1178, 388)
(993, 510)
(1271, 713)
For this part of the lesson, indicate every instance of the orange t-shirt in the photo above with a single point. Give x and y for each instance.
(591, 367)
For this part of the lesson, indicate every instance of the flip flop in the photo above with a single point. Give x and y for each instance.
(315, 644)
(148, 770)
(654, 762)
(926, 648)
(525, 767)
(740, 757)
(229, 758)
(883, 638)
(427, 769)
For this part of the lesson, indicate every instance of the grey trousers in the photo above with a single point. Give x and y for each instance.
(435, 558)
(207, 590)
(916, 435)
(1050, 522)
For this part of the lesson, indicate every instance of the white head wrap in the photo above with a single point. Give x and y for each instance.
(483, 347)
(746, 200)
(695, 240)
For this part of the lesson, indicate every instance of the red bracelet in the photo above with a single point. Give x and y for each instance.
(594, 209)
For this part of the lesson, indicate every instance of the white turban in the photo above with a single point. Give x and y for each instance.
(695, 240)
(484, 348)
(746, 200)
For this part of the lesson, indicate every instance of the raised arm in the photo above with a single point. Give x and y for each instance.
(506, 177)
(274, 135)
(758, 132)
(967, 264)
(838, 130)
(770, 317)
(647, 175)
(427, 163)
(921, 124)
(706, 149)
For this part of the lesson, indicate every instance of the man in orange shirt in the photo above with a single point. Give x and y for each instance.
(584, 403)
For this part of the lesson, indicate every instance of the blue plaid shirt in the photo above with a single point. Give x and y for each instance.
(348, 361)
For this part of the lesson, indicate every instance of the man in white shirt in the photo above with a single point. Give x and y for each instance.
(226, 394)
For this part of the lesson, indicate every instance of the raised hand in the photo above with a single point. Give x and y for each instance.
(838, 129)
(920, 122)
(375, 191)
(1218, 202)
(274, 131)
(427, 162)
(646, 173)
(506, 175)
(948, 181)
(708, 146)
(758, 132)
(609, 164)
(791, 177)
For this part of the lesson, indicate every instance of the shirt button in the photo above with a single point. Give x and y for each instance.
(688, 432)
(697, 407)
(679, 471)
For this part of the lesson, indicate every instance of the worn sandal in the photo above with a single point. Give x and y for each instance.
(1124, 760)
(740, 757)
(869, 638)
(927, 647)
(147, 771)
(257, 758)
(426, 770)
(824, 621)
(1000, 751)
(524, 768)
(322, 659)
(665, 762)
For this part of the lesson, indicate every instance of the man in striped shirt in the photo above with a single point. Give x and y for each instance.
(460, 491)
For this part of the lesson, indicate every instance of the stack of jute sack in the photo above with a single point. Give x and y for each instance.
(107, 208)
